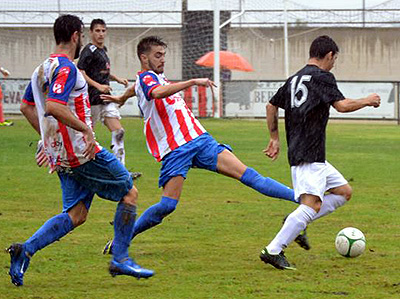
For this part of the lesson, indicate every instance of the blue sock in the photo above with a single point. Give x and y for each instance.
(53, 229)
(266, 186)
(155, 214)
(124, 221)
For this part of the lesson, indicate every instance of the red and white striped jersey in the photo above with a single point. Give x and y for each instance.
(58, 79)
(168, 122)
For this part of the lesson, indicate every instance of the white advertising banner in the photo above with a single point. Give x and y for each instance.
(13, 92)
(14, 89)
(241, 98)
(249, 100)
(357, 90)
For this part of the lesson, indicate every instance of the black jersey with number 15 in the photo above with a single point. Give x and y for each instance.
(306, 98)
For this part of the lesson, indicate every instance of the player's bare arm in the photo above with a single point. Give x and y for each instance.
(272, 150)
(165, 91)
(64, 115)
(120, 99)
(101, 87)
(30, 113)
(122, 81)
(350, 105)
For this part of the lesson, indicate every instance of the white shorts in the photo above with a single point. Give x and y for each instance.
(99, 112)
(315, 179)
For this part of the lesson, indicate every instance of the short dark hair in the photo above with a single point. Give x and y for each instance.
(321, 46)
(146, 43)
(97, 22)
(65, 26)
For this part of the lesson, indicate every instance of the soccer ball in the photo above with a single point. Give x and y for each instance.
(350, 242)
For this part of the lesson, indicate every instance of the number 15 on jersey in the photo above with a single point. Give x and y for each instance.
(296, 87)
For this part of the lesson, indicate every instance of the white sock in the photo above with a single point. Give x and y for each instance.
(117, 144)
(330, 203)
(294, 224)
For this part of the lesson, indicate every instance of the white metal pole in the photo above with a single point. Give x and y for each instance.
(217, 80)
(286, 41)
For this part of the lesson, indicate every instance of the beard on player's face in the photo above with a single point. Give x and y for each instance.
(157, 67)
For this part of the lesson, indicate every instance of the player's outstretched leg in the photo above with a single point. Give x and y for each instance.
(122, 264)
(19, 263)
(53, 229)
(330, 203)
(294, 224)
(266, 186)
(151, 217)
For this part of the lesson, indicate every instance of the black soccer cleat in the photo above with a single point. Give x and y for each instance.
(279, 261)
(135, 175)
(302, 240)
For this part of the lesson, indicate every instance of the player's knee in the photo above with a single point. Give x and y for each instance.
(348, 192)
(78, 214)
(78, 218)
(316, 206)
(131, 197)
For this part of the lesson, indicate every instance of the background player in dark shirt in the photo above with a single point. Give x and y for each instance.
(95, 66)
(306, 98)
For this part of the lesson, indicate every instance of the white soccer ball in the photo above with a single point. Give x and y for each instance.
(350, 242)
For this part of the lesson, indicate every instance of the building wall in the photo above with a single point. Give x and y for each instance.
(22, 49)
(365, 54)
(371, 54)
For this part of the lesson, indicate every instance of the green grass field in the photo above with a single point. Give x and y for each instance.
(209, 247)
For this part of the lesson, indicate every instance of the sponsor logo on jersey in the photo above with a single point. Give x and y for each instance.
(61, 79)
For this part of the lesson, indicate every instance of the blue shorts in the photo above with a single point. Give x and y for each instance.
(201, 152)
(104, 176)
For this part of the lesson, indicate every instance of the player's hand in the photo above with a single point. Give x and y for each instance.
(123, 81)
(90, 149)
(204, 82)
(107, 98)
(272, 150)
(374, 100)
(40, 156)
(104, 88)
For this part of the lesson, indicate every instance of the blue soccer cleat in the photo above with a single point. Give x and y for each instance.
(19, 263)
(129, 267)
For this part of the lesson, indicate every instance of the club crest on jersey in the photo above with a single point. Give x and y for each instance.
(149, 80)
(92, 48)
(61, 79)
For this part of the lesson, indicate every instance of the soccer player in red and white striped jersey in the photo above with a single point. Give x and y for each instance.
(56, 104)
(178, 140)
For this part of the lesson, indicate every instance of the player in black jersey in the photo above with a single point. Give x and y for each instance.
(306, 98)
(95, 66)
